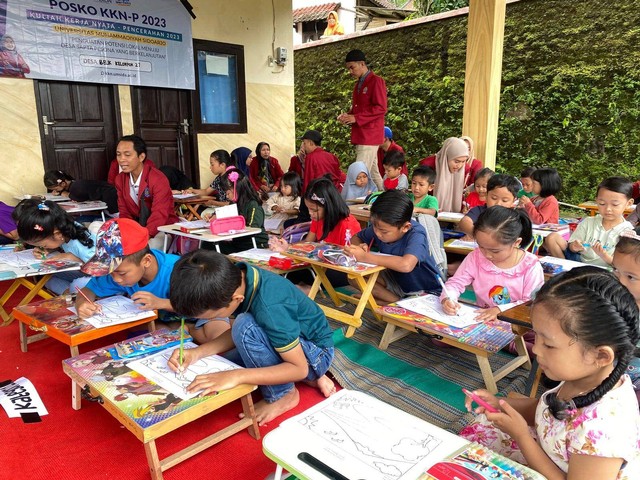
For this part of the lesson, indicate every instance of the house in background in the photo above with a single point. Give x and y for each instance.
(310, 16)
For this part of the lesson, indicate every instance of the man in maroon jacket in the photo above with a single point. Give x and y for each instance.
(144, 194)
(319, 162)
(366, 117)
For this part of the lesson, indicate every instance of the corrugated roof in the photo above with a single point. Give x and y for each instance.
(314, 13)
(384, 4)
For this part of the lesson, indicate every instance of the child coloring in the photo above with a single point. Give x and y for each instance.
(125, 265)
(359, 183)
(595, 238)
(410, 266)
(281, 335)
(527, 183)
(502, 274)
(588, 426)
(422, 182)
(49, 228)
(240, 191)
(543, 207)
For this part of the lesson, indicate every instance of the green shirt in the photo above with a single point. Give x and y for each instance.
(522, 193)
(428, 201)
(283, 311)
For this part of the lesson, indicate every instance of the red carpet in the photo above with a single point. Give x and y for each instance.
(91, 444)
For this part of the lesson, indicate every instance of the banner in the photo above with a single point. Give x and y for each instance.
(131, 42)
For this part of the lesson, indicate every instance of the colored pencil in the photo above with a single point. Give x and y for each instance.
(79, 290)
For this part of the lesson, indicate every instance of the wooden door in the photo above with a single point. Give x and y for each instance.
(78, 127)
(163, 117)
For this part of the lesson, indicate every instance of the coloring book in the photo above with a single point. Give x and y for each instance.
(430, 306)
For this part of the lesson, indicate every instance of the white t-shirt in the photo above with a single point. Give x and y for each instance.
(590, 230)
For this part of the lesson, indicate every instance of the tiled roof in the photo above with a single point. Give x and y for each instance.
(384, 4)
(314, 13)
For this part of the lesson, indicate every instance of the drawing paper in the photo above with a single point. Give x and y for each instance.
(116, 310)
(155, 368)
(463, 244)
(430, 306)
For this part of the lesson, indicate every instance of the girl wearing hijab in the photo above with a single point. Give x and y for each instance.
(334, 27)
(359, 183)
(11, 62)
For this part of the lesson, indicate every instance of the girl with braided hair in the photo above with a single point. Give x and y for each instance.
(586, 326)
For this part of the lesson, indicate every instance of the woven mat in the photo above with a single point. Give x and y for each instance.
(414, 374)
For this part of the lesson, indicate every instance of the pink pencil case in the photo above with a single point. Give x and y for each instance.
(224, 225)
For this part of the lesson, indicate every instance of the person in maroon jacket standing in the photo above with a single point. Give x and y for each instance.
(144, 194)
(366, 116)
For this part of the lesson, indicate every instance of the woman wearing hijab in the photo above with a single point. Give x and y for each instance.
(471, 168)
(359, 183)
(265, 172)
(334, 27)
(449, 164)
(11, 62)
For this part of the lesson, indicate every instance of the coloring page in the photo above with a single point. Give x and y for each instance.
(24, 258)
(430, 306)
(155, 368)
(116, 310)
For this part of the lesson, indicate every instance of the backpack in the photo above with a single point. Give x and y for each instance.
(296, 233)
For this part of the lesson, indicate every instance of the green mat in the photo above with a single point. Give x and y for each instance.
(414, 374)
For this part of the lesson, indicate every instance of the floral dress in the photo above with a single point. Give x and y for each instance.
(608, 428)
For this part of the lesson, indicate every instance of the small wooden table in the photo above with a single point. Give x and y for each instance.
(84, 207)
(264, 264)
(51, 318)
(482, 339)
(364, 277)
(362, 213)
(207, 236)
(191, 204)
(464, 250)
(33, 277)
(592, 208)
(149, 411)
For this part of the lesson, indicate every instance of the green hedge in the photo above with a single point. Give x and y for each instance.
(570, 89)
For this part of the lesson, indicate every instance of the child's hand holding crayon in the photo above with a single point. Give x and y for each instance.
(40, 253)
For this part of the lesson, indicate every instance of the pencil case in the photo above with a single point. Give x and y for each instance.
(224, 225)
(281, 263)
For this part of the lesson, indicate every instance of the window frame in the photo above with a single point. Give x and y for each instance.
(226, 49)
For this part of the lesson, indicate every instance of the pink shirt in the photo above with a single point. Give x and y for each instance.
(543, 210)
(493, 286)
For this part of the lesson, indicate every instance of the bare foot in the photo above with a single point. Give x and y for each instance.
(324, 384)
(304, 287)
(265, 412)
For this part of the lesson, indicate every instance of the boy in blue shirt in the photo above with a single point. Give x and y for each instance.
(410, 267)
(281, 335)
(124, 264)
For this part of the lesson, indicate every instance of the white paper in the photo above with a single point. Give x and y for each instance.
(116, 310)
(194, 224)
(260, 254)
(18, 259)
(155, 368)
(566, 264)
(430, 306)
(227, 211)
(217, 65)
(273, 224)
(182, 196)
(19, 397)
(362, 437)
(450, 216)
(471, 245)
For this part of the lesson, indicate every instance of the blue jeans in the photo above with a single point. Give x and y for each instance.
(256, 351)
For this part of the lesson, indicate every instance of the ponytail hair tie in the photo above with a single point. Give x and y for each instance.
(233, 176)
(43, 206)
(38, 227)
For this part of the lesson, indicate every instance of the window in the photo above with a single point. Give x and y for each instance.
(221, 105)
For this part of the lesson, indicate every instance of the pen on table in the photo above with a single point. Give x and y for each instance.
(446, 292)
(321, 466)
(84, 295)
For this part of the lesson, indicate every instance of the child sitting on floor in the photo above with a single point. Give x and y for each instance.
(502, 274)
(410, 267)
(501, 190)
(543, 207)
(50, 229)
(359, 183)
(394, 179)
(281, 335)
(286, 203)
(586, 327)
(423, 180)
(125, 265)
(595, 238)
(478, 196)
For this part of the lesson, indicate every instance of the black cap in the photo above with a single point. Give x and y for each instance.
(313, 135)
(355, 56)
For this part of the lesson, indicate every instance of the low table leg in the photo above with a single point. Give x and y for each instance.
(76, 395)
(152, 458)
(23, 337)
(249, 412)
(487, 374)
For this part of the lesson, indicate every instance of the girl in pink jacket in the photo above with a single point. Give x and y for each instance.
(501, 272)
(543, 207)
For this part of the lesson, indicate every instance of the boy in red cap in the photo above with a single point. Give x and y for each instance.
(124, 264)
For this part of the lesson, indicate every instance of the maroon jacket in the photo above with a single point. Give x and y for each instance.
(381, 153)
(274, 170)
(320, 162)
(154, 192)
(369, 107)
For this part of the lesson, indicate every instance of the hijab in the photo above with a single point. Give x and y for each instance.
(449, 186)
(350, 189)
(337, 29)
